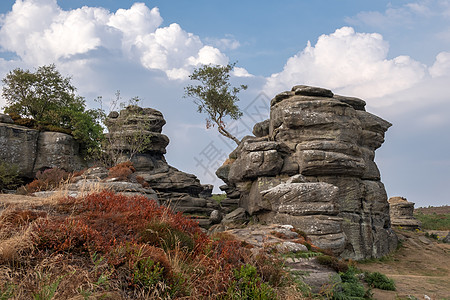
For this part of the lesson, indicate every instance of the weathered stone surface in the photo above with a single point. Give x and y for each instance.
(254, 202)
(254, 164)
(157, 142)
(402, 213)
(235, 217)
(261, 129)
(302, 198)
(311, 91)
(57, 150)
(327, 144)
(136, 118)
(215, 217)
(290, 247)
(279, 237)
(7, 119)
(32, 151)
(180, 190)
(356, 103)
(18, 146)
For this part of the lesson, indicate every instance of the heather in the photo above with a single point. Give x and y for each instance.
(110, 246)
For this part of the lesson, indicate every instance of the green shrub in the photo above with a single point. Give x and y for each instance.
(248, 285)
(379, 281)
(148, 272)
(9, 176)
(350, 288)
(163, 235)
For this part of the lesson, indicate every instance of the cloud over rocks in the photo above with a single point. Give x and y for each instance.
(40, 32)
(351, 63)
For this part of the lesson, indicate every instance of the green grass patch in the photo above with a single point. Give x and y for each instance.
(219, 197)
(434, 221)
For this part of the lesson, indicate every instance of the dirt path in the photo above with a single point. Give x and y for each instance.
(417, 268)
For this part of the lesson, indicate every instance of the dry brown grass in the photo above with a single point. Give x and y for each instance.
(88, 248)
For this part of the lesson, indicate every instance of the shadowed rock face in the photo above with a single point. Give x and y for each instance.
(32, 151)
(314, 168)
(173, 187)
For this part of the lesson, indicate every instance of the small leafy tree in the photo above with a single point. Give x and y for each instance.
(215, 96)
(51, 102)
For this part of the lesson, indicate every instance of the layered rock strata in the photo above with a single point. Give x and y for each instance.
(402, 213)
(174, 188)
(311, 165)
(32, 150)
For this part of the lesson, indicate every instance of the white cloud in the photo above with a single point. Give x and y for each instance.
(441, 66)
(241, 72)
(40, 32)
(349, 63)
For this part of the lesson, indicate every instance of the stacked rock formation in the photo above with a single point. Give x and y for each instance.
(402, 213)
(32, 150)
(173, 187)
(311, 165)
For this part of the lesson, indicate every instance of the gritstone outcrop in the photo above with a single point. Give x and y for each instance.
(32, 150)
(311, 165)
(173, 187)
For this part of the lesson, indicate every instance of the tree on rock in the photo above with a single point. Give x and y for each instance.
(49, 102)
(215, 96)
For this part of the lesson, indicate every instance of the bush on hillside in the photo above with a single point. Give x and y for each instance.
(46, 180)
(379, 281)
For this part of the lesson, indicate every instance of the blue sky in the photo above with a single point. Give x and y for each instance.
(395, 55)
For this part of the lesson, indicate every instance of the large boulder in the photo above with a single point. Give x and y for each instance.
(18, 146)
(32, 151)
(58, 150)
(315, 169)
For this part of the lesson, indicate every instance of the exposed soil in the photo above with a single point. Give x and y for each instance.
(417, 268)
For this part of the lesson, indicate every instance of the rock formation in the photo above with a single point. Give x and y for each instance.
(97, 179)
(311, 165)
(402, 213)
(32, 151)
(174, 188)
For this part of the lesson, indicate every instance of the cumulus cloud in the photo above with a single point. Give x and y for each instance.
(241, 72)
(350, 63)
(40, 32)
(441, 66)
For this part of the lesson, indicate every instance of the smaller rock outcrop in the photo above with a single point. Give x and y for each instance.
(179, 190)
(97, 179)
(402, 213)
